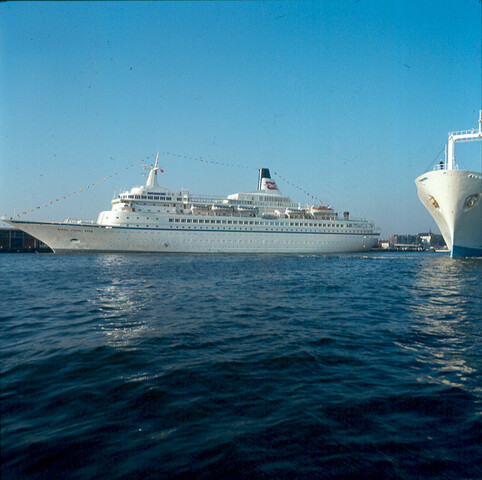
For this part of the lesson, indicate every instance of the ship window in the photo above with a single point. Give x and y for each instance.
(183, 220)
(229, 222)
(137, 196)
(177, 219)
(170, 220)
(194, 221)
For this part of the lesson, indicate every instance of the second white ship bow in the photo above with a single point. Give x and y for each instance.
(454, 199)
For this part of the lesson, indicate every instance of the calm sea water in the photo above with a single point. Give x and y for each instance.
(240, 366)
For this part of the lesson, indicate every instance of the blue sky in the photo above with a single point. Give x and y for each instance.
(349, 100)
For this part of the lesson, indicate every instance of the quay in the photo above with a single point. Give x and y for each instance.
(13, 240)
(407, 247)
(420, 242)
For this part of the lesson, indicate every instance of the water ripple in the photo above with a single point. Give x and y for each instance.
(242, 366)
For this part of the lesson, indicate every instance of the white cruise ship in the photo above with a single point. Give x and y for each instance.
(453, 198)
(151, 218)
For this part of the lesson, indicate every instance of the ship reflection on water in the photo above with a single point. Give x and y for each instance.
(119, 302)
(445, 335)
(144, 298)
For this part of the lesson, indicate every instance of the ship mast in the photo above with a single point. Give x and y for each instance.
(152, 179)
(464, 136)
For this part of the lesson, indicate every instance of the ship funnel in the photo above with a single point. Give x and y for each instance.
(265, 182)
(263, 173)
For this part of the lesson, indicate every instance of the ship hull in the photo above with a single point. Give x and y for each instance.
(94, 238)
(454, 199)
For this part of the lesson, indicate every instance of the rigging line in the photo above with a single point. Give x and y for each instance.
(89, 186)
(299, 188)
(434, 160)
(202, 160)
(225, 164)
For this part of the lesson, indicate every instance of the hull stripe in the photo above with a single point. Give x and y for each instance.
(462, 252)
(213, 230)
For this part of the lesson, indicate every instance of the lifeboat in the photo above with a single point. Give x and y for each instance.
(321, 210)
(247, 210)
(295, 212)
(200, 208)
(222, 209)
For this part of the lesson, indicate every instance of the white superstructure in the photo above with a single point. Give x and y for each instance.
(151, 218)
(453, 198)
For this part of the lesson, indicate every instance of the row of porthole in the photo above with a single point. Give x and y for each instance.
(177, 227)
(255, 241)
(263, 224)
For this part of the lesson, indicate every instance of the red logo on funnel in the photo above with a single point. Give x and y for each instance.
(270, 185)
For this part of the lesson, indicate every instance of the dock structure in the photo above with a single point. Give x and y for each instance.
(13, 240)
(407, 247)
